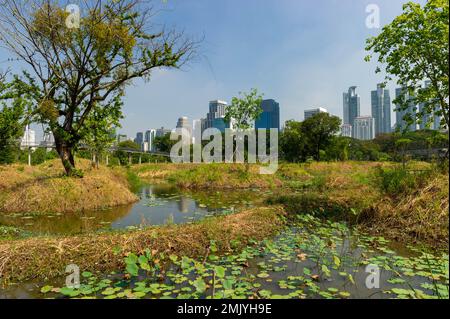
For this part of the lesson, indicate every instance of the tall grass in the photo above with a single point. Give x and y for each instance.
(398, 181)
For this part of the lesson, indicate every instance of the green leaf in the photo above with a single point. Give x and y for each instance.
(337, 261)
(220, 271)
(132, 269)
(199, 285)
(46, 289)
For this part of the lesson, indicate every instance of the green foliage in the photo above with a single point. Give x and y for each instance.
(101, 123)
(318, 132)
(399, 181)
(14, 104)
(292, 143)
(414, 47)
(39, 156)
(164, 144)
(79, 75)
(312, 137)
(244, 110)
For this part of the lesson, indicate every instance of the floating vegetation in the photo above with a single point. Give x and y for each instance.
(311, 258)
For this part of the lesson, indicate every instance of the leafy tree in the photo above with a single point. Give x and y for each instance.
(318, 132)
(39, 156)
(244, 110)
(12, 118)
(338, 148)
(99, 131)
(414, 48)
(122, 154)
(402, 144)
(242, 113)
(292, 146)
(76, 70)
(164, 144)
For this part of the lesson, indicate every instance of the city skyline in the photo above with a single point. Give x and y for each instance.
(316, 57)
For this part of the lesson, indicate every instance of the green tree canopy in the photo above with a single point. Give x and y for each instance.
(415, 48)
(14, 105)
(244, 110)
(318, 132)
(292, 144)
(74, 70)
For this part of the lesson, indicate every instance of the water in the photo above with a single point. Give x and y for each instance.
(158, 205)
(312, 258)
(289, 265)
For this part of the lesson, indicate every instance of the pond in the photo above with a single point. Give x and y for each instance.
(310, 258)
(157, 205)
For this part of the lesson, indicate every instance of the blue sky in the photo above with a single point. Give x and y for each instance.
(302, 53)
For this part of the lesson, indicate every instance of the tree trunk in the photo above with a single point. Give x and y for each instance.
(65, 152)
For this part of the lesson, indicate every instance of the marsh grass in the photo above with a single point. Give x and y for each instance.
(44, 188)
(23, 259)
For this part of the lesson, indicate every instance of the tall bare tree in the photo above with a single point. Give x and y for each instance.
(79, 60)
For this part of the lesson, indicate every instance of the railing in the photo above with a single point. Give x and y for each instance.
(129, 151)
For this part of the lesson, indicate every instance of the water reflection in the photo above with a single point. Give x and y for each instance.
(158, 205)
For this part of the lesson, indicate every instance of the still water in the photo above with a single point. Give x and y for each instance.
(157, 205)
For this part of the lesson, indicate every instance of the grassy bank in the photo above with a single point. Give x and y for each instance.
(410, 205)
(377, 197)
(211, 176)
(43, 188)
(23, 259)
(380, 197)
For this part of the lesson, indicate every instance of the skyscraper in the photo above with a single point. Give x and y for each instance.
(364, 128)
(220, 124)
(217, 109)
(139, 138)
(122, 138)
(161, 132)
(28, 139)
(381, 110)
(311, 112)
(402, 115)
(352, 105)
(48, 140)
(149, 138)
(183, 122)
(270, 116)
(346, 130)
(430, 120)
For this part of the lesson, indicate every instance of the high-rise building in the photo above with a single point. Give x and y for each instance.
(48, 141)
(221, 124)
(160, 132)
(364, 128)
(149, 138)
(183, 122)
(402, 115)
(203, 124)
(311, 112)
(28, 138)
(381, 110)
(144, 147)
(430, 120)
(270, 116)
(217, 109)
(352, 105)
(346, 130)
(139, 138)
(122, 138)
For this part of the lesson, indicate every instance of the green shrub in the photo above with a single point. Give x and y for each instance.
(398, 181)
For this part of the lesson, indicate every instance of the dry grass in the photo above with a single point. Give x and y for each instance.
(48, 257)
(421, 216)
(43, 188)
(211, 176)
